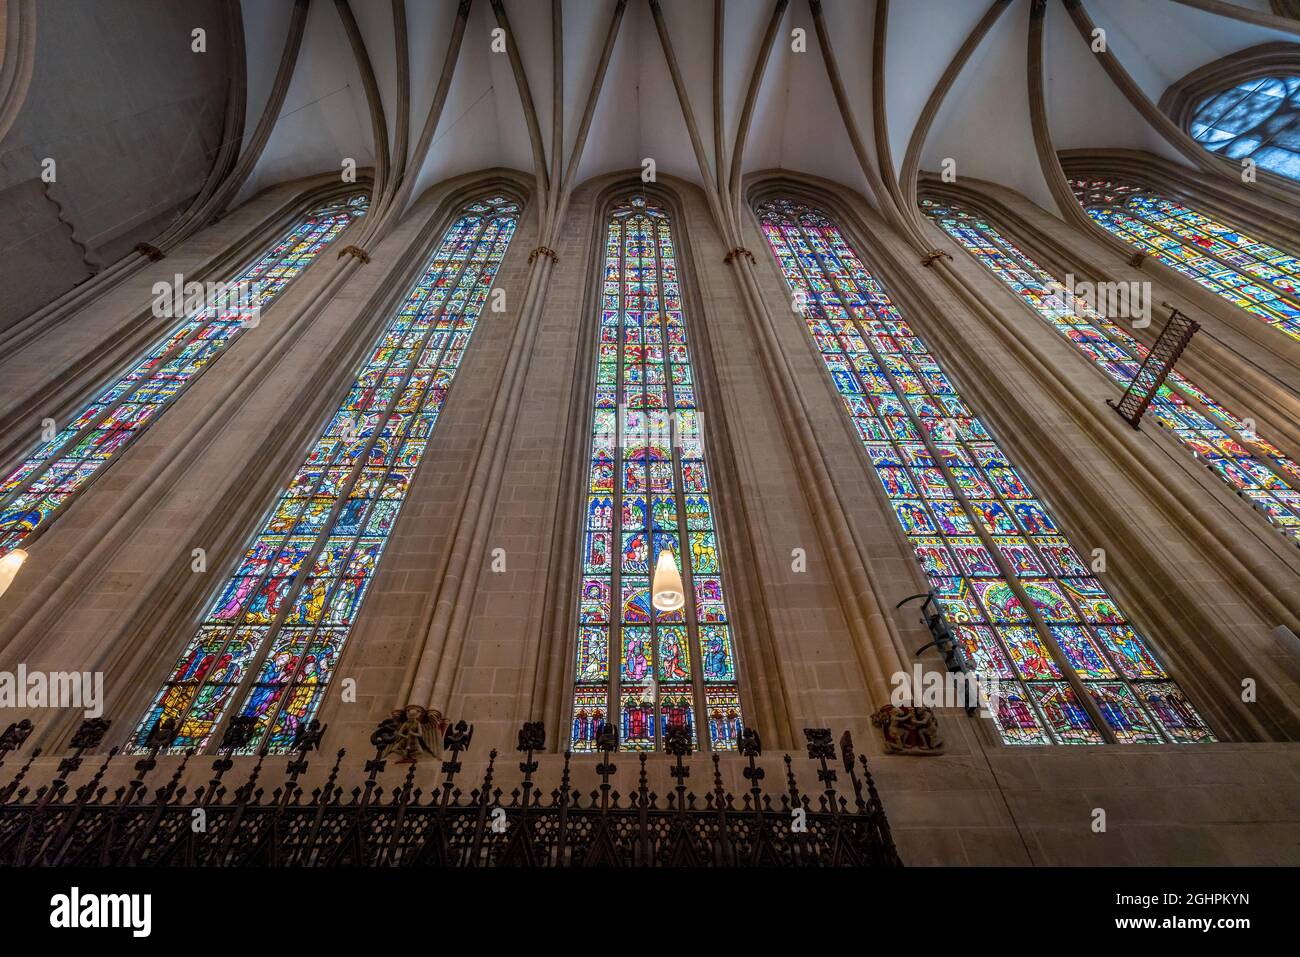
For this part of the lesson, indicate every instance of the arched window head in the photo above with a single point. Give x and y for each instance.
(35, 493)
(272, 631)
(1257, 277)
(1205, 428)
(639, 668)
(1257, 119)
(1054, 649)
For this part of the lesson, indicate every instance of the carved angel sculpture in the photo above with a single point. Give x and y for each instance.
(419, 731)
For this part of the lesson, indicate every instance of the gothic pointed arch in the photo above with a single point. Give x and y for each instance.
(1070, 666)
(1224, 513)
(194, 323)
(1203, 423)
(271, 632)
(651, 493)
(1199, 233)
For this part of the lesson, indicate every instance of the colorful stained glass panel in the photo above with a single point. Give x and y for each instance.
(649, 494)
(304, 592)
(34, 491)
(1017, 594)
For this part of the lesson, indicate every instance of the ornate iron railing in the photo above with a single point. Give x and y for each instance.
(57, 825)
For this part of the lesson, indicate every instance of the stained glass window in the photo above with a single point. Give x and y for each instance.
(1248, 464)
(1025, 606)
(1263, 280)
(34, 492)
(1258, 118)
(275, 628)
(648, 490)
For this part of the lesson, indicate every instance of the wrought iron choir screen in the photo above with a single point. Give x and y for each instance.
(436, 822)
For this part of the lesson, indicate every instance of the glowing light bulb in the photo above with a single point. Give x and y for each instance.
(10, 564)
(668, 592)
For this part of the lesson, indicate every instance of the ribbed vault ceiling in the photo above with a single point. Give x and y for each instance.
(982, 121)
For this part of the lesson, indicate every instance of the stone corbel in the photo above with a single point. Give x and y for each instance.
(909, 730)
(355, 252)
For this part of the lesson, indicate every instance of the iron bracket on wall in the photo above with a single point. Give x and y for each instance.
(1155, 368)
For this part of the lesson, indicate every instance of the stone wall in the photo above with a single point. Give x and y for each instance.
(132, 118)
(109, 586)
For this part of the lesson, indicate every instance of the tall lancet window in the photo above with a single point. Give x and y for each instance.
(1023, 603)
(648, 491)
(1246, 463)
(34, 493)
(1263, 280)
(1257, 119)
(273, 631)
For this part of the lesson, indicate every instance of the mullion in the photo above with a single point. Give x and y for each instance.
(1007, 572)
(484, 229)
(632, 292)
(1258, 254)
(700, 685)
(277, 283)
(1080, 623)
(339, 452)
(233, 629)
(193, 323)
(993, 625)
(690, 621)
(648, 294)
(198, 323)
(1033, 542)
(1043, 725)
(654, 320)
(398, 441)
(637, 262)
(345, 492)
(1219, 258)
(1182, 260)
(650, 290)
(619, 491)
(1221, 422)
(614, 651)
(282, 546)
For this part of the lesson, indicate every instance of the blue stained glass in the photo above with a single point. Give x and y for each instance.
(944, 473)
(1244, 461)
(1259, 278)
(650, 493)
(298, 596)
(1256, 119)
(33, 492)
